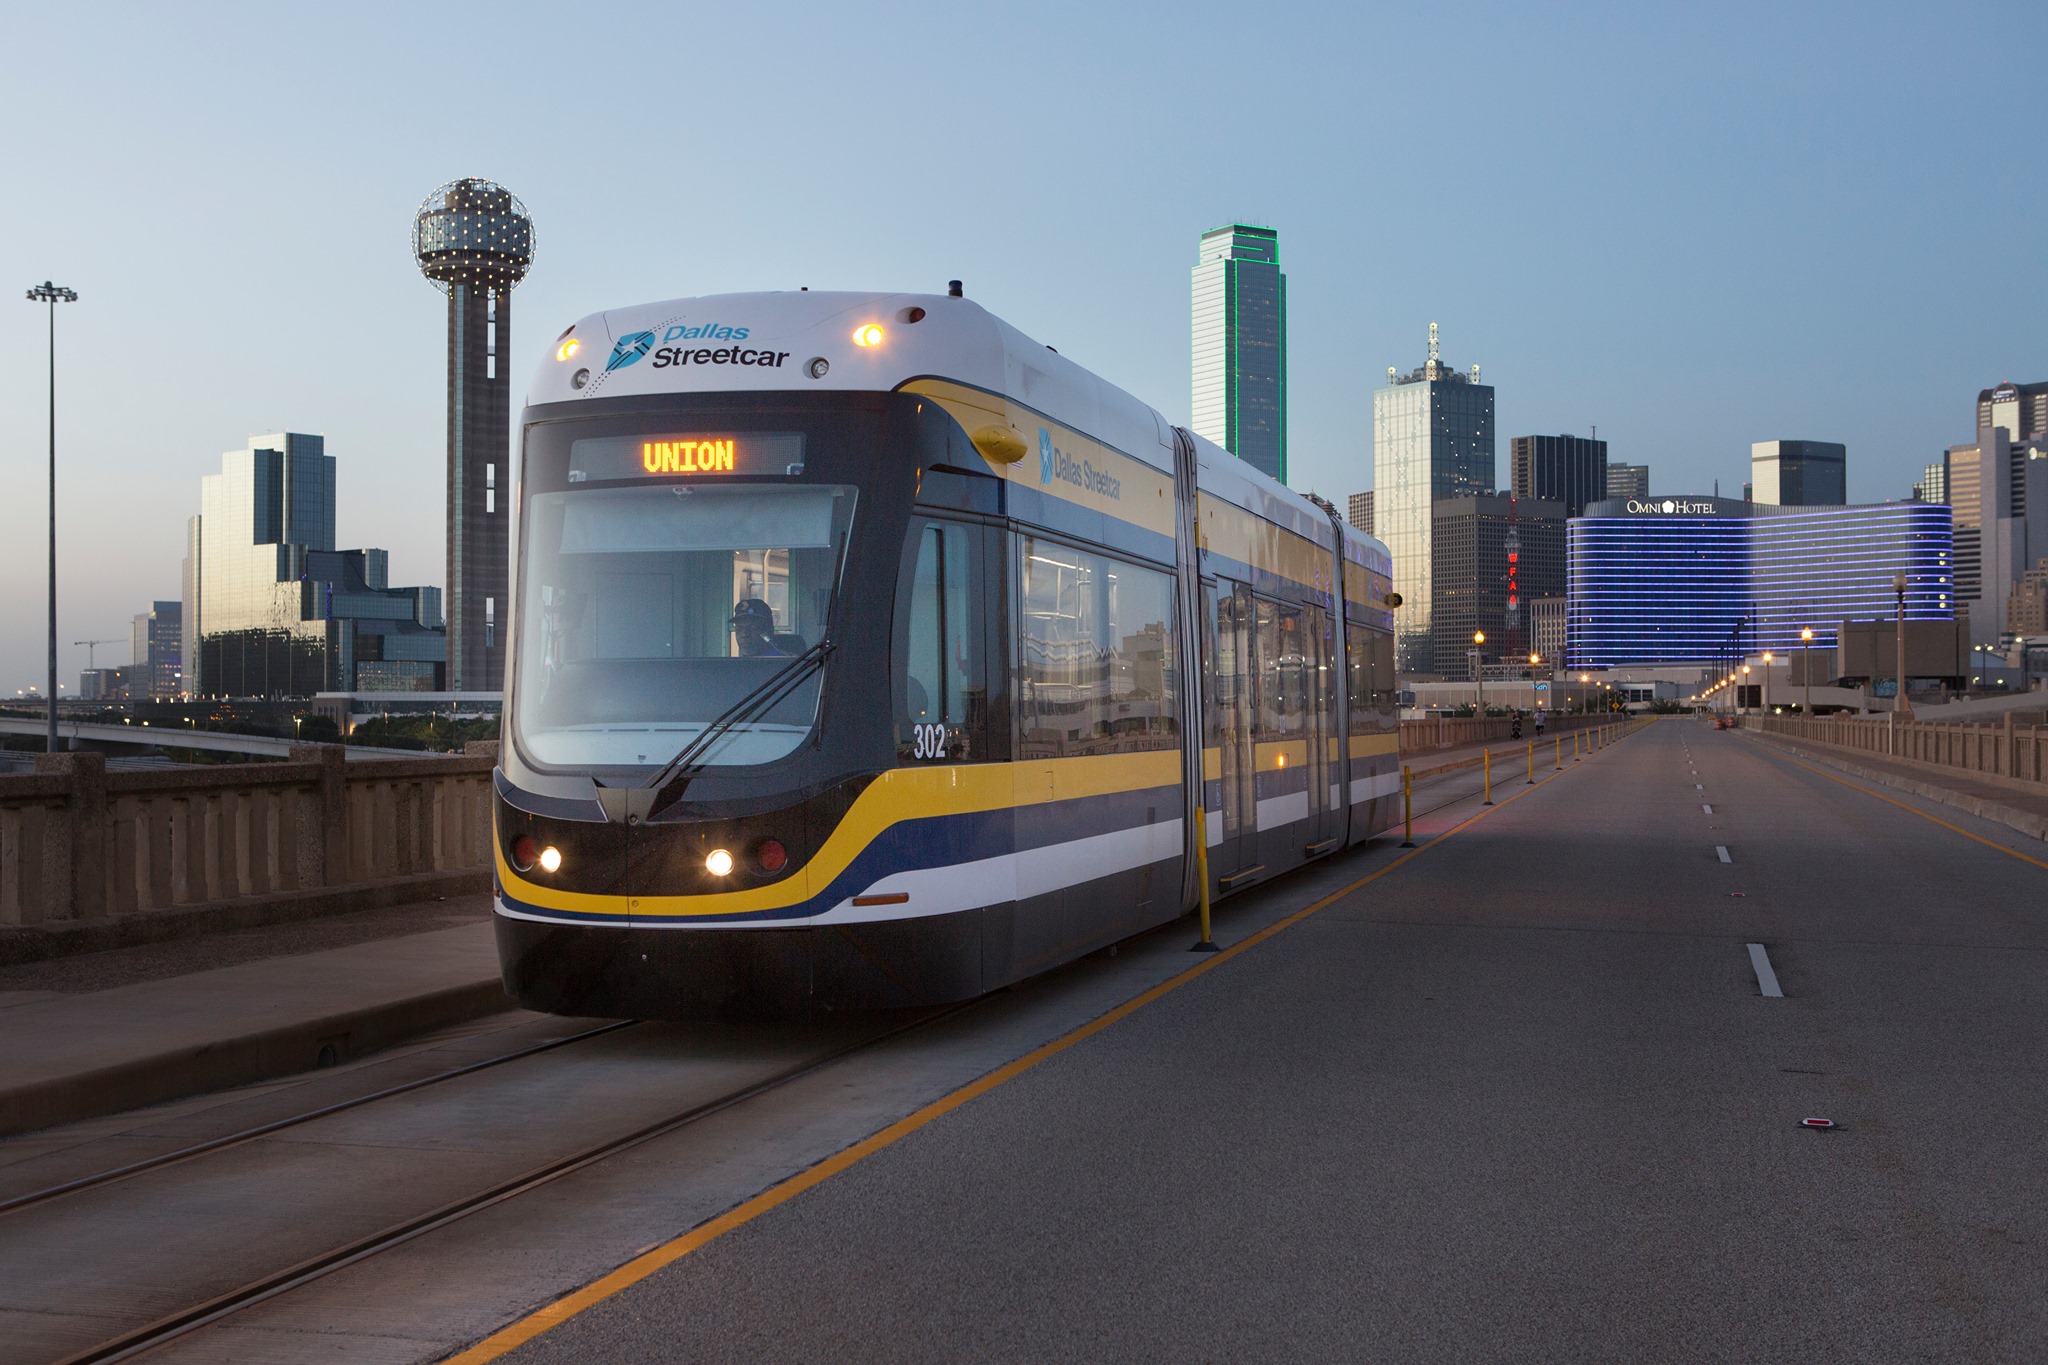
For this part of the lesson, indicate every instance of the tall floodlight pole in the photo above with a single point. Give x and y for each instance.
(53, 294)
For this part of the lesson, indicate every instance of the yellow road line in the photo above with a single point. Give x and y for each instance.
(645, 1264)
(1890, 801)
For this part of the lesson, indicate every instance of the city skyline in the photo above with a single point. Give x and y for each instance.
(1667, 283)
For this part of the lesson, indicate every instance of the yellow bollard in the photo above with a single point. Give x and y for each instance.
(1407, 807)
(1487, 754)
(1575, 746)
(1532, 765)
(1208, 944)
(1560, 753)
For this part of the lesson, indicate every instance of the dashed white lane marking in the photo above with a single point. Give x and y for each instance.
(1721, 851)
(1766, 979)
(1699, 786)
(1708, 809)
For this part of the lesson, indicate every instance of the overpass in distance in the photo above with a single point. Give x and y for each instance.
(85, 734)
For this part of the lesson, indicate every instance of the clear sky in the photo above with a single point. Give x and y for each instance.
(1695, 226)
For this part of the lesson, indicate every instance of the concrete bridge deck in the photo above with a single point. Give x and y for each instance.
(1533, 1090)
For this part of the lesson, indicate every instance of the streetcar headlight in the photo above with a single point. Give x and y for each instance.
(718, 863)
(867, 334)
(551, 859)
(568, 349)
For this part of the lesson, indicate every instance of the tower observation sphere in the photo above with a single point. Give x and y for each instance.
(471, 231)
(474, 240)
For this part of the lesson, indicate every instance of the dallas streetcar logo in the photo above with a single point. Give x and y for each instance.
(1054, 463)
(628, 351)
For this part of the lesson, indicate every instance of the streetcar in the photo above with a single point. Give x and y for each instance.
(865, 654)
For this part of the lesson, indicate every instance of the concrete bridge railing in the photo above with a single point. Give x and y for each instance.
(1451, 732)
(2005, 751)
(79, 844)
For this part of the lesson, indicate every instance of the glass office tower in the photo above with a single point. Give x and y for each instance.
(1432, 438)
(157, 642)
(1695, 580)
(269, 504)
(1799, 473)
(272, 609)
(1567, 469)
(1240, 352)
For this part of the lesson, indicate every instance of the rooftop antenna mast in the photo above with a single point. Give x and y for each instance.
(1433, 367)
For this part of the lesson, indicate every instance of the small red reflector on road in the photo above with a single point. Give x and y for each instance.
(1739, 895)
(894, 898)
(1816, 1123)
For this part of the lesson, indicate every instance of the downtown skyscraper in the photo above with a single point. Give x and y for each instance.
(1240, 346)
(1432, 439)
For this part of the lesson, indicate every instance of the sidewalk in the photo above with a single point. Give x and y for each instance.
(2024, 811)
(105, 1032)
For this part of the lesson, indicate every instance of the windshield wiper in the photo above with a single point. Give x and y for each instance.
(673, 778)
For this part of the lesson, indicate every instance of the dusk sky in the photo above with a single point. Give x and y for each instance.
(1695, 227)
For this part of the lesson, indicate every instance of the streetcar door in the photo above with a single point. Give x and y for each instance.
(1319, 723)
(1232, 718)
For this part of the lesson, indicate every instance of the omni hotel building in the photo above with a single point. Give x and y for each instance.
(1692, 580)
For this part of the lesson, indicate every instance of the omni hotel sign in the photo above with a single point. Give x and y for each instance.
(1670, 507)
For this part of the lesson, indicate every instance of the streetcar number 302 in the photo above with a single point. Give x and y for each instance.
(927, 741)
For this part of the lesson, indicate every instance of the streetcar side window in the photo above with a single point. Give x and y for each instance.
(1099, 668)
(1369, 659)
(939, 634)
(1281, 640)
(941, 711)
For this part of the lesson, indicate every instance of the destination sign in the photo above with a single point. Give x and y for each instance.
(669, 454)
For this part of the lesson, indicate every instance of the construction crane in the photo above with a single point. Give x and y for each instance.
(89, 646)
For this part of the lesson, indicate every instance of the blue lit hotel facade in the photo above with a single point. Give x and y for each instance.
(1680, 581)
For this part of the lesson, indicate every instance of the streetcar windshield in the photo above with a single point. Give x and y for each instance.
(649, 611)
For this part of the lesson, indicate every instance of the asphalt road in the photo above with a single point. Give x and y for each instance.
(1521, 1098)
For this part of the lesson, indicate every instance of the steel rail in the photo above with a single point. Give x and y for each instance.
(166, 1329)
(198, 1149)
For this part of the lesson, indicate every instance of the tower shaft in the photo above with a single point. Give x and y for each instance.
(479, 489)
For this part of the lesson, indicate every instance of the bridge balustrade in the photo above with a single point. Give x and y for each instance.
(2004, 751)
(78, 843)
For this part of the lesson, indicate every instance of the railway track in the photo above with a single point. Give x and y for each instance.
(209, 1304)
(206, 1308)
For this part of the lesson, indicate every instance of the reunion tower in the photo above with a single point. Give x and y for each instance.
(475, 242)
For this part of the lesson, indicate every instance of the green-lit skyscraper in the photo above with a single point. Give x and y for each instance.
(1241, 346)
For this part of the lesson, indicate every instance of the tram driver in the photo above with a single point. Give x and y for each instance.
(753, 630)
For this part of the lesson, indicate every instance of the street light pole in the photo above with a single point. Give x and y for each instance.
(1901, 708)
(1806, 665)
(1479, 670)
(53, 294)
(1767, 682)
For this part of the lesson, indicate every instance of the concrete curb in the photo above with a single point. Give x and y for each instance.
(2025, 821)
(38, 943)
(283, 1051)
